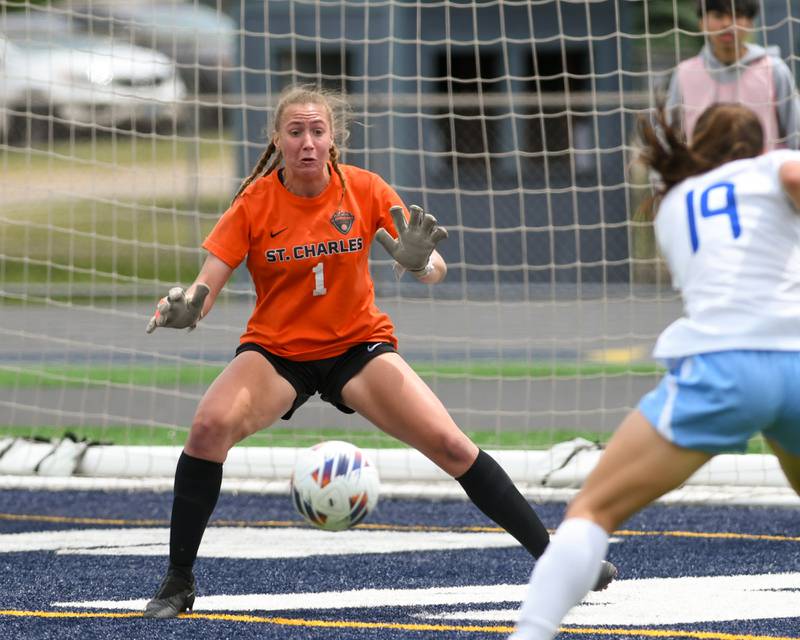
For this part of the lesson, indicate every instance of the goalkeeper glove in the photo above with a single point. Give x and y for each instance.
(415, 242)
(177, 310)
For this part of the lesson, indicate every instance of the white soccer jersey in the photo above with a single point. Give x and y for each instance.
(731, 238)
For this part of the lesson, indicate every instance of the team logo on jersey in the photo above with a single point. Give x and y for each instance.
(342, 220)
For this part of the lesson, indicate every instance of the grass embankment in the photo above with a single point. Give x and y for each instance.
(171, 376)
(142, 435)
(145, 435)
(163, 375)
(109, 230)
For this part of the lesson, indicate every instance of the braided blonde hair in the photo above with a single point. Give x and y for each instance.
(337, 110)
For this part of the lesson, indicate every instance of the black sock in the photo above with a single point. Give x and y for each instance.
(490, 488)
(197, 484)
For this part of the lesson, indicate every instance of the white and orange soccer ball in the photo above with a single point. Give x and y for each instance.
(334, 485)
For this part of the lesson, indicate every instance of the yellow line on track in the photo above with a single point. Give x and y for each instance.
(24, 517)
(696, 534)
(35, 517)
(398, 626)
(14, 613)
(289, 622)
(121, 522)
(349, 624)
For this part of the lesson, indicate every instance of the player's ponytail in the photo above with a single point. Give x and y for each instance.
(262, 162)
(334, 154)
(724, 132)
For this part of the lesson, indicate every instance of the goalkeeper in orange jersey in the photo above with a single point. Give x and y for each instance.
(304, 222)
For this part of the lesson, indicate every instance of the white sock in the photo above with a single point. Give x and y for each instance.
(568, 569)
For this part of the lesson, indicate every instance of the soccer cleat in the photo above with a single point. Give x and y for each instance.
(175, 595)
(607, 573)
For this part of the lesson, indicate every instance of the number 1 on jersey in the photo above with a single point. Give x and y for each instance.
(319, 280)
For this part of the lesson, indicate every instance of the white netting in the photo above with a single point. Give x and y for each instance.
(127, 127)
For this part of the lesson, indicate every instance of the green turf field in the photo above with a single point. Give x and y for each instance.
(144, 435)
(180, 375)
(281, 436)
(176, 376)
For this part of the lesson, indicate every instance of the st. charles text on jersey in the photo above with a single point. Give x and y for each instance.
(315, 249)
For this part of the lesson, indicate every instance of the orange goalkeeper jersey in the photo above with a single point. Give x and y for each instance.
(308, 258)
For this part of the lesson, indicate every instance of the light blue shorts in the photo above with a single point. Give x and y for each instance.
(715, 402)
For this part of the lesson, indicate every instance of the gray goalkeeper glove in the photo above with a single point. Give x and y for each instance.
(177, 310)
(415, 242)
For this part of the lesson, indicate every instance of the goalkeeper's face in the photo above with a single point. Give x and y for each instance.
(305, 137)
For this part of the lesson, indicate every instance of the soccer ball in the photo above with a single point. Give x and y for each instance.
(334, 485)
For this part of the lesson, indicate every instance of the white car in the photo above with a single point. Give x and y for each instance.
(201, 39)
(68, 80)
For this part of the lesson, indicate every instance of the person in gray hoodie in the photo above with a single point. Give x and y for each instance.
(730, 69)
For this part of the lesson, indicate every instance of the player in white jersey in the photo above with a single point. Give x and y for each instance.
(728, 224)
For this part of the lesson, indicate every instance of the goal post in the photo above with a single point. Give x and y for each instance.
(128, 126)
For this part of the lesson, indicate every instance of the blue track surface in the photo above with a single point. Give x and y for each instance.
(662, 542)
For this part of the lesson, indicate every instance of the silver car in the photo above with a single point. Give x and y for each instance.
(63, 81)
(201, 39)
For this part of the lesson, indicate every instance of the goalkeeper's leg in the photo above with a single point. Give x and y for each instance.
(196, 489)
(247, 396)
(391, 395)
(490, 488)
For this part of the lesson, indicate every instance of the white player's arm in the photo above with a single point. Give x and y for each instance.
(182, 309)
(789, 175)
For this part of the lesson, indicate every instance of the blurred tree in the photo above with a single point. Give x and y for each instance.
(670, 30)
(666, 32)
(21, 4)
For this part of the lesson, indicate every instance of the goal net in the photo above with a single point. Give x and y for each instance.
(128, 126)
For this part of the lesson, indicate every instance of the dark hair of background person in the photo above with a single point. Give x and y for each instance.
(738, 8)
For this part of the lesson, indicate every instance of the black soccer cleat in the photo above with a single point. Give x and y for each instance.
(607, 573)
(175, 595)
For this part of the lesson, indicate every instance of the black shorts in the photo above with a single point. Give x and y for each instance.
(327, 376)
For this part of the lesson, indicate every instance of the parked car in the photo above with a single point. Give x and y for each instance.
(202, 40)
(61, 80)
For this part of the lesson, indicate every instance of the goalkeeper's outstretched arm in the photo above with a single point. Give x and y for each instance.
(414, 250)
(438, 269)
(182, 309)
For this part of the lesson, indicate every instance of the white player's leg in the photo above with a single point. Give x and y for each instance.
(790, 464)
(637, 467)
